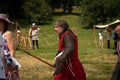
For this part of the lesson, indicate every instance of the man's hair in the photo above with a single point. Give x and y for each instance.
(63, 24)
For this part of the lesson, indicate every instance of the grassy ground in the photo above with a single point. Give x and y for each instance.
(98, 63)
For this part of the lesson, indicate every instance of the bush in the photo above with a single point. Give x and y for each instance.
(36, 10)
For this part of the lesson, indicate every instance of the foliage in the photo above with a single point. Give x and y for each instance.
(54, 3)
(98, 11)
(112, 8)
(36, 10)
(11, 7)
(65, 4)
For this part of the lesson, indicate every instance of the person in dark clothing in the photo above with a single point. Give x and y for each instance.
(67, 64)
(108, 36)
(116, 73)
(115, 37)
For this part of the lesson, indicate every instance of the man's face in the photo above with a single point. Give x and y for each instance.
(117, 29)
(58, 29)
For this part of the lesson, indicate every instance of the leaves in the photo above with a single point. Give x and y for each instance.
(99, 11)
(36, 10)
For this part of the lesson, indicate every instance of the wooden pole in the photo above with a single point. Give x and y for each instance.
(38, 58)
(94, 34)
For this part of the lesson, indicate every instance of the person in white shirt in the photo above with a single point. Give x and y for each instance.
(101, 44)
(33, 34)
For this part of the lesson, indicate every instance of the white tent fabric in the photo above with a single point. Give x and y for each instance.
(104, 26)
(101, 26)
(107, 25)
(115, 22)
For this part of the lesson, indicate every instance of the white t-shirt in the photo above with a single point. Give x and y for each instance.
(34, 33)
(100, 36)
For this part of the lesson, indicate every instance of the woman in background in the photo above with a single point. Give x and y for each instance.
(33, 34)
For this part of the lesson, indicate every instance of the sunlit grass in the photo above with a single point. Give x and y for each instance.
(98, 63)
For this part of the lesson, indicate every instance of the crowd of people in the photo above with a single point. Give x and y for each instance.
(65, 67)
(116, 38)
(67, 64)
(110, 35)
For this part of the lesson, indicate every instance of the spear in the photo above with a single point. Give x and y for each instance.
(37, 58)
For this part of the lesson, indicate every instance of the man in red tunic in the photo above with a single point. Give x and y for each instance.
(67, 64)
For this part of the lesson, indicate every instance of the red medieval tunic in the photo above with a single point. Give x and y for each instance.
(73, 69)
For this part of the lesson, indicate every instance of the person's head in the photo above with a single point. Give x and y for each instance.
(5, 23)
(34, 27)
(117, 29)
(61, 26)
(33, 24)
(18, 31)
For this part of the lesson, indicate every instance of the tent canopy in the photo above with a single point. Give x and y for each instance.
(115, 22)
(112, 25)
(109, 25)
(101, 26)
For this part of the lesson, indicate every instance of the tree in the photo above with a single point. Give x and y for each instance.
(36, 10)
(98, 11)
(11, 7)
(65, 4)
(54, 3)
(112, 8)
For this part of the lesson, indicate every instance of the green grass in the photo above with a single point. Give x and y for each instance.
(98, 63)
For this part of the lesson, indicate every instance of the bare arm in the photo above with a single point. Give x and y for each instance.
(11, 43)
